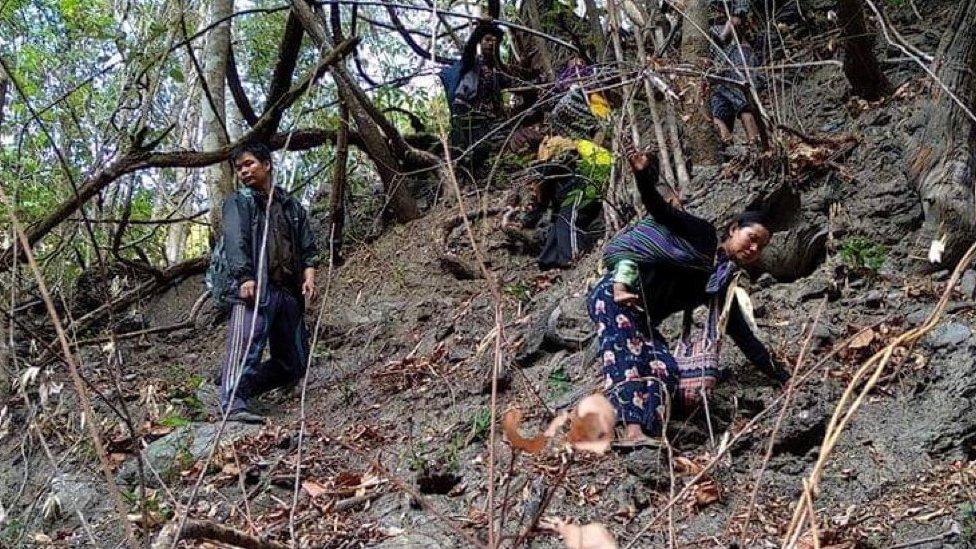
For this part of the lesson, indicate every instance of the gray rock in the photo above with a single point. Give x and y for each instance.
(823, 331)
(814, 288)
(78, 493)
(208, 396)
(535, 337)
(181, 448)
(919, 315)
(874, 297)
(967, 286)
(949, 335)
(572, 327)
(647, 465)
(881, 119)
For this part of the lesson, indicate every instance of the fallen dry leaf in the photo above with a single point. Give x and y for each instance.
(117, 458)
(588, 536)
(706, 492)
(686, 466)
(511, 424)
(347, 478)
(156, 430)
(862, 340)
(313, 488)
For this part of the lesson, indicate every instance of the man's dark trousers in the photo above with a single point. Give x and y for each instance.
(280, 323)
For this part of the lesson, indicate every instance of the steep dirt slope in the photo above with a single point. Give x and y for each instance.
(400, 385)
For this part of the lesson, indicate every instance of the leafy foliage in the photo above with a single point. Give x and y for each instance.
(861, 253)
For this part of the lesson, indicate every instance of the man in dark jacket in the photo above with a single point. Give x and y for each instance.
(270, 252)
(477, 103)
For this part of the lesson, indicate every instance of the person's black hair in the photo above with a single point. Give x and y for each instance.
(533, 116)
(749, 218)
(260, 151)
(495, 31)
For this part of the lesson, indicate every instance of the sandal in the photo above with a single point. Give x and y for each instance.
(634, 444)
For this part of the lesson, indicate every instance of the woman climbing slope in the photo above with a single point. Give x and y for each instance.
(670, 261)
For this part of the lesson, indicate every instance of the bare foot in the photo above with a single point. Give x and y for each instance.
(634, 433)
(634, 437)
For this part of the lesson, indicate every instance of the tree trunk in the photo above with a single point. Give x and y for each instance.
(861, 67)
(942, 157)
(220, 177)
(535, 54)
(401, 207)
(618, 52)
(337, 202)
(663, 151)
(671, 121)
(596, 36)
(177, 233)
(695, 47)
(4, 86)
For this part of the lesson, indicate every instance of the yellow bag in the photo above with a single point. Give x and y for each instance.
(599, 105)
(593, 153)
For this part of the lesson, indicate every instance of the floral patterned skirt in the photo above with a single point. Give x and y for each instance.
(639, 371)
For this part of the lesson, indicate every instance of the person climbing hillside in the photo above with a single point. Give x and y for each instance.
(270, 252)
(670, 261)
(737, 61)
(474, 90)
(580, 111)
(571, 177)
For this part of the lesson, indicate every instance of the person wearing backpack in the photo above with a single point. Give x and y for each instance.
(670, 261)
(266, 263)
(474, 87)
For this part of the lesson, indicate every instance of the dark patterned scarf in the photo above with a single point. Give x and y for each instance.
(649, 243)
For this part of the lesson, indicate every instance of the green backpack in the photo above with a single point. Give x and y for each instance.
(219, 281)
(220, 284)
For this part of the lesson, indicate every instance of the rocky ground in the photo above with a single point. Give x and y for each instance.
(398, 399)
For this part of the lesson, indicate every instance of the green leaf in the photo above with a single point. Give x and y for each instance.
(174, 421)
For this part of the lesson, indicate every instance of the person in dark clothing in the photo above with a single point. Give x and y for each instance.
(477, 103)
(670, 261)
(271, 257)
(574, 205)
(579, 112)
(738, 62)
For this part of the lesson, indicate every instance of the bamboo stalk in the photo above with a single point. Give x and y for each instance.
(618, 52)
(662, 144)
(671, 120)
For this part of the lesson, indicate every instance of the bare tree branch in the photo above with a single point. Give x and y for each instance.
(137, 159)
(237, 90)
(281, 78)
(409, 39)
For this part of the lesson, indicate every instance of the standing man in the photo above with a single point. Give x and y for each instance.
(476, 102)
(270, 253)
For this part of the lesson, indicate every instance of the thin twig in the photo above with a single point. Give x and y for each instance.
(499, 338)
(846, 408)
(788, 399)
(90, 418)
(546, 500)
(302, 416)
